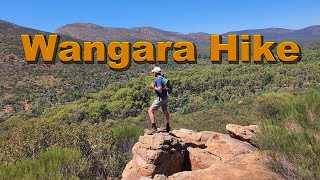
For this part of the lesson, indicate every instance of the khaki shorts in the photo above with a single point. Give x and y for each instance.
(160, 102)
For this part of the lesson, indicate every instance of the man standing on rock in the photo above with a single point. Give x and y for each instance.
(160, 101)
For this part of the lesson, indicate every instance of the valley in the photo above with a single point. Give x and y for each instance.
(92, 116)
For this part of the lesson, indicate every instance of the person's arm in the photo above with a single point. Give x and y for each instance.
(158, 85)
(159, 89)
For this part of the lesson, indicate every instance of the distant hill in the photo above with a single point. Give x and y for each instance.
(92, 32)
(10, 41)
(311, 33)
(268, 33)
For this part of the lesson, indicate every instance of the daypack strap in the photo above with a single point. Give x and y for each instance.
(163, 85)
(162, 77)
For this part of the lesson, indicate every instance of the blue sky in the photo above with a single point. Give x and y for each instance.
(180, 16)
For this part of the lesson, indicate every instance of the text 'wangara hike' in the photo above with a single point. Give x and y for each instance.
(118, 55)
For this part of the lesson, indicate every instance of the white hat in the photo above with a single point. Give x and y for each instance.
(156, 70)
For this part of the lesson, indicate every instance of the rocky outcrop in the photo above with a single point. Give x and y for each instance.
(186, 154)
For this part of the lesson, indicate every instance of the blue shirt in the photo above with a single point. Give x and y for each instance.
(159, 83)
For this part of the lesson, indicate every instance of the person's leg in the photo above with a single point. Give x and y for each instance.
(166, 114)
(154, 107)
(151, 115)
(164, 108)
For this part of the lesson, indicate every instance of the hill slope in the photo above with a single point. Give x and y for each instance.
(10, 41)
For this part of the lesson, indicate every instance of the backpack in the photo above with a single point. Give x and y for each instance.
(167, 85)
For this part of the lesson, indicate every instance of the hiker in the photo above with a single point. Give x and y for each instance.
(160, 101)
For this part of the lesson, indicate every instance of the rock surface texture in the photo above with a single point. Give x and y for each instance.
(186, 154)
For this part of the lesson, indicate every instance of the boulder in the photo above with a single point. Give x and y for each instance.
(205, 148)
(160, 153)
(243, 133)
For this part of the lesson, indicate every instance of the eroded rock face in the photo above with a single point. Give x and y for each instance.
(186, 154)
(160, 153)
(243, 133)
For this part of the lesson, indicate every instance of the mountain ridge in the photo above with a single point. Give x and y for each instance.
(95, 32)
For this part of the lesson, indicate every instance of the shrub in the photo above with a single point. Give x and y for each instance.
(127, 131)
(126, 137)
(56, 163)
(270, 105)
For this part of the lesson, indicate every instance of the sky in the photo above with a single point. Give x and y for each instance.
(172, 15)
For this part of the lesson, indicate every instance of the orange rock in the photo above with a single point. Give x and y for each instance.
(243, 133)
(186, 154)
(250, 166)
(160, 153)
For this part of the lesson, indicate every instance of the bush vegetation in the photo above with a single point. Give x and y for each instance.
(295, 134)
(103, 152)
(56, 163)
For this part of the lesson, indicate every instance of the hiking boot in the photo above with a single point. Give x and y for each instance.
(168, 129)
(164, 129)
(152, 131)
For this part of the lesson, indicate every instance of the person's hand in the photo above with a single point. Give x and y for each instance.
(152, 85)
